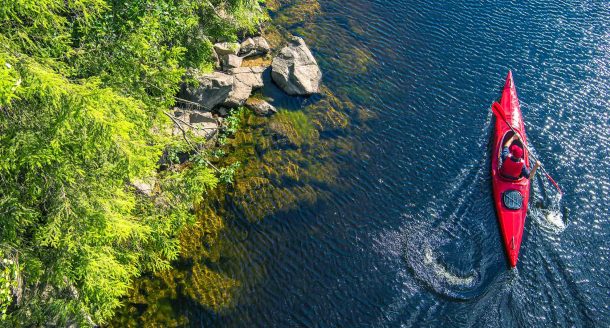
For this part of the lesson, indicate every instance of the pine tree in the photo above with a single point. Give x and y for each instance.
(83, 89)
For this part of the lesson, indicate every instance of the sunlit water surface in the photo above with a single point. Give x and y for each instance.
(407, 237)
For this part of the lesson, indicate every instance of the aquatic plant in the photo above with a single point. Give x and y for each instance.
(296, 12)
(285, 161)
(294, 126)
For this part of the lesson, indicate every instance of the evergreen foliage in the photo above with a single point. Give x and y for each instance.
(83, 87)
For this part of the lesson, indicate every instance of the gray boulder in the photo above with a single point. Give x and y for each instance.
(213, 89)
(226, 48)
(295, 70)
(230, 89)
(254, 47)
(231, 61)
(251, 76)
(246, 79)
(260, 107)
(216, 60)
(144, 186)
(222, 111)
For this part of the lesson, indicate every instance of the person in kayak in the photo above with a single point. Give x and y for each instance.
(513, 166)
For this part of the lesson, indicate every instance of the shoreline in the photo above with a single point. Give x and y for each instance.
(118, 190)
(208, 239)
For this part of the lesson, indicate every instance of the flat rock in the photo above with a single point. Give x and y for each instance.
(213, 89)
(251, 76)
(295, 70)
(260, 107)
(203, 124)
(230, 89)
(254, 47)
(246, 79)
(200, 124)
(231, 61)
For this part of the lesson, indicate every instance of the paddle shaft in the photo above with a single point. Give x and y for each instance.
(496, 108)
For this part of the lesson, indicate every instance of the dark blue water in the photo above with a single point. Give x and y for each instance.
(409, 238)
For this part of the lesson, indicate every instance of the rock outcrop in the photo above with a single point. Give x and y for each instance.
(216, 59)
(254, 47)
(295, 70)
(260, 107)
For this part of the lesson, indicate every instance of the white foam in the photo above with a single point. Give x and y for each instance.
(446, 275)
(555, 218)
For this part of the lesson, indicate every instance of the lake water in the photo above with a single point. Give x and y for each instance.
(406, 236)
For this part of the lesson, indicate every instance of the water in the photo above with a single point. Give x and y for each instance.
(407, 236)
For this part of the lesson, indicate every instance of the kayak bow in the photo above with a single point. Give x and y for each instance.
(510, 196)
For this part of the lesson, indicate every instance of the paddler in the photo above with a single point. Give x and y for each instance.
(513, 166)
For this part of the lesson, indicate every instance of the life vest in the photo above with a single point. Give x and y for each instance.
(511, 168)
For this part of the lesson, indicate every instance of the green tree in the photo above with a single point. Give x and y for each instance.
(83, 87)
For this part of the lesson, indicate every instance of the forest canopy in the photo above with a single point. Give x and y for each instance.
(83, 89)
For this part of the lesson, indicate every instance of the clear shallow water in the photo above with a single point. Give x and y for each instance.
(409, 237)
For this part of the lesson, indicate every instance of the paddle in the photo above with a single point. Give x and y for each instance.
(497, 109)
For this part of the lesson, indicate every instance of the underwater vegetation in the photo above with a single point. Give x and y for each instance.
(285, 160)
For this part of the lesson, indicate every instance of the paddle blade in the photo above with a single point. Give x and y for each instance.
(497, 109)
(554, 183)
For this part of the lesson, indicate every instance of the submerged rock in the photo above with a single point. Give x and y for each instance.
(226, 48)
(254, 47)
(260, 107)
(295, 70)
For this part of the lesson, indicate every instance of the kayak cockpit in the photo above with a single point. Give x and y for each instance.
(517, 142)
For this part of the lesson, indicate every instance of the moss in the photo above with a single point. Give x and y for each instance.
(356, 58)
(275, 36)
(364, 115)
(151, 304)
(356, 26)
(264, 61)
(202, 239)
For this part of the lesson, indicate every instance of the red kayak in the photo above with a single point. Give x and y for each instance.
(510, 196)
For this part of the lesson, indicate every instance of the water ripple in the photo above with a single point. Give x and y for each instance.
(410, 237)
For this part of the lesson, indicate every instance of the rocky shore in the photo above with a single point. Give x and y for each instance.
(209, 97)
